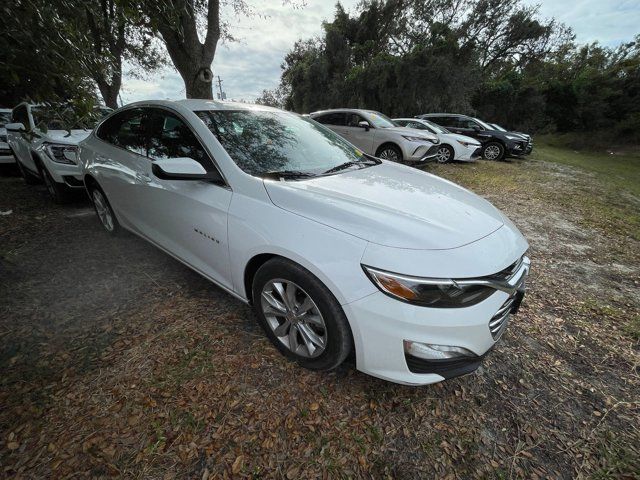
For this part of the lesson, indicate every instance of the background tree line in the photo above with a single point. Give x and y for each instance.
(496, 59)
(60, 50)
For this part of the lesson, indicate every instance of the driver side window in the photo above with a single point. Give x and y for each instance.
(353, 120)
(170, 137)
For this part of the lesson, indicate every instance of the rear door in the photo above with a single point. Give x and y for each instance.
(335, 121)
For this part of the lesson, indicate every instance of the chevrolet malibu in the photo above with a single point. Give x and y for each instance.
(337, 251)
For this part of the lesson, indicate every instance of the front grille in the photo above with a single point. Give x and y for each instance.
(499, 321)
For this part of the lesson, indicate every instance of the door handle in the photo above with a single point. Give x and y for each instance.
(141, 177)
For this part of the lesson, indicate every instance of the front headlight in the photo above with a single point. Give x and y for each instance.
(420, 139)
(513, 137)
(60, 153)
(428, 292)
(468, 144)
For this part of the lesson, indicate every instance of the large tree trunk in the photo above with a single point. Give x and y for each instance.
(191, 57)
(110, 92)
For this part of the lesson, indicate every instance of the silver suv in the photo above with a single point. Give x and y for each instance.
(376, 134)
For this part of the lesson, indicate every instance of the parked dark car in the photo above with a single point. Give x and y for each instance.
(527, 137)
(496, 145)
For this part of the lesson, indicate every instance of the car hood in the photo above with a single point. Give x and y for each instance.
(72, 137)
(391, 205)
(462, 138)
(415, 132)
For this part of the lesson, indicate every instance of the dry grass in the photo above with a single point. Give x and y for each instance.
(126, 364)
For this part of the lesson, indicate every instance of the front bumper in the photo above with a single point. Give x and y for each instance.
(517, 149)
(70, 175)
(420, 152)
(468, 154)
(381, 325)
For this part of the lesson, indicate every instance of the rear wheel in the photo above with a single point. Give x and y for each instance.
(104, 211)
(445, 154)
(493, 151)
(300, 315)
(389, 152)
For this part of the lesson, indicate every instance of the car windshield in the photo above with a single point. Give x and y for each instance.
(379, 120)
(434, 127)
(484, 125)
(498, 127)
(267, 142)
(5, 117)
(61, 117)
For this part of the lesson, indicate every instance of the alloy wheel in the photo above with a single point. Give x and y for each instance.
(443, 155)
(389, 154)
(294, 318)
(103, 210)
(492, 152)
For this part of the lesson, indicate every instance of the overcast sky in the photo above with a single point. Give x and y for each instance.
(253, 63)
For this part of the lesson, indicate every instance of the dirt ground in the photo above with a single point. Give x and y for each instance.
(117, 360)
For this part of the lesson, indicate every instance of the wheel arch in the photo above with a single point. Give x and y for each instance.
(389, 143)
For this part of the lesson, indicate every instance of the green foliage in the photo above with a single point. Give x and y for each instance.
(494, 59)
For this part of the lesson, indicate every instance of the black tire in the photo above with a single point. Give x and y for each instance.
(58, 192)
(389, 152)
(28, 177)
(445, 154)
(493, 151)
(339, 340)
(99, 200)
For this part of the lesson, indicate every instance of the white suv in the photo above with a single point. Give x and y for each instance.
(45, 147)
(336, 250)
(377, 135)
(5, 153)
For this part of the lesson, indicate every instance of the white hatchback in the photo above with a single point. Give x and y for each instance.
(337, 251)
(452, 145)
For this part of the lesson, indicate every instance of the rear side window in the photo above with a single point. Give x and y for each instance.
(20, 115)
(170, 137)
(126, 130)
(335, 118)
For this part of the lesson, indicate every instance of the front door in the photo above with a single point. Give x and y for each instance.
(187, 217)
(359, 136)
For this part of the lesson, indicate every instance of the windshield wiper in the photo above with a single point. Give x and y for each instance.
(366, 161)
(287, 174)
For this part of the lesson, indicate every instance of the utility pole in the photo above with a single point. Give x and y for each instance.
(221, 94)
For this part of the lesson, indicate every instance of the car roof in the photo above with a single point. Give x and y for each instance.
(345, 110)
(200, 104)
(447, 114)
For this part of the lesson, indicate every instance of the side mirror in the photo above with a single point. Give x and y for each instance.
(364, 124)
(14, 127)
(182, 168)
(476, 128)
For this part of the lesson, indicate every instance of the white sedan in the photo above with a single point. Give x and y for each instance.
(337, 251)
(452, 146)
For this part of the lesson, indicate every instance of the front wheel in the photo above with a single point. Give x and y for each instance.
(28, 177)
(493, 151)
(58, 192)
(445, 154)
(389, 152)
(300, 315)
